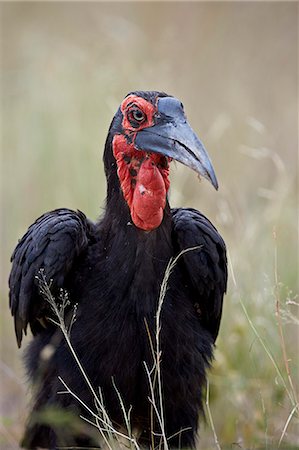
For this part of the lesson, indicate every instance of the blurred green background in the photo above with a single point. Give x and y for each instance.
(66, 67)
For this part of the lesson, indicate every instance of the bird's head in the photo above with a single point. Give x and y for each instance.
(147, 132)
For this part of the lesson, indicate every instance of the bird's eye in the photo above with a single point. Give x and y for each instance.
(136, 116)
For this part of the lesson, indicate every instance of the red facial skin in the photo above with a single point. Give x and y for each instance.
(144, 177)
(148, 108)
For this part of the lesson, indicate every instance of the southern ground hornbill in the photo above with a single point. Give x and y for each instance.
(112, 270)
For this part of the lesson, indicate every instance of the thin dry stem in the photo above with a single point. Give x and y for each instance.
(278, 371)
(45, 291)
(210, 417)
(287, 424)
(279, 324)
(102, 419)
(164, 286)
(153, 403)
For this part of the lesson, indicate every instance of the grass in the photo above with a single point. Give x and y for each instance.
(273, 376)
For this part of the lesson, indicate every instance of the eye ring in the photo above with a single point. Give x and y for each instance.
(136, 116)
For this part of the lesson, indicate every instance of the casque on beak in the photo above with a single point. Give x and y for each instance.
(172, 136)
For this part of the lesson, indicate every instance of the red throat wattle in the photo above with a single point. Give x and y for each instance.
(144, 180)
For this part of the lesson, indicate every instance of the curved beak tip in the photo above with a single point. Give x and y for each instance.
(213, 180)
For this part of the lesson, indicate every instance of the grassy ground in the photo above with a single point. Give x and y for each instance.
(234, 65)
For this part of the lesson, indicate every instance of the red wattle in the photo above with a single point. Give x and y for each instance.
(149, 197)
(144, 182)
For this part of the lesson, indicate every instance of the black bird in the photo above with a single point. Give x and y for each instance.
(113, 270)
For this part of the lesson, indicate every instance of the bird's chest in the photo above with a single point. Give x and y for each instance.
(119, 307)
(122, 287)
(118, 303)
(134, 289)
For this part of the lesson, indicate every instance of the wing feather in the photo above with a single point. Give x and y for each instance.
(53, 243)
(206, 267)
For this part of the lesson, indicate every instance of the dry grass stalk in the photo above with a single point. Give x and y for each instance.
(113, 438)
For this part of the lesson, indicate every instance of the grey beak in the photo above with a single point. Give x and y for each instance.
(172, 136)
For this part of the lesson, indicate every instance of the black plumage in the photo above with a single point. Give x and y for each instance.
(113, 271)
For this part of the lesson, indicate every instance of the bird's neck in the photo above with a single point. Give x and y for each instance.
(117, 218)
(137, 259)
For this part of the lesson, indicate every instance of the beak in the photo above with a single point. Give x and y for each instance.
(172, 136)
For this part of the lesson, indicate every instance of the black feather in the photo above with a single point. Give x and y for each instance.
(52, 243)
(206, 267)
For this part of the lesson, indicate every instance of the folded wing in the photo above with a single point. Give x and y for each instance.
(52, 243)
(206, 267)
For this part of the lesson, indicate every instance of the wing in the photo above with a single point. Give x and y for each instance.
(53, 243)
(206, 268)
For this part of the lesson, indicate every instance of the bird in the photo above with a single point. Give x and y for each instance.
(147, 354)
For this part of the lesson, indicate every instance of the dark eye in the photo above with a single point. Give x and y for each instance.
(136, 116)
